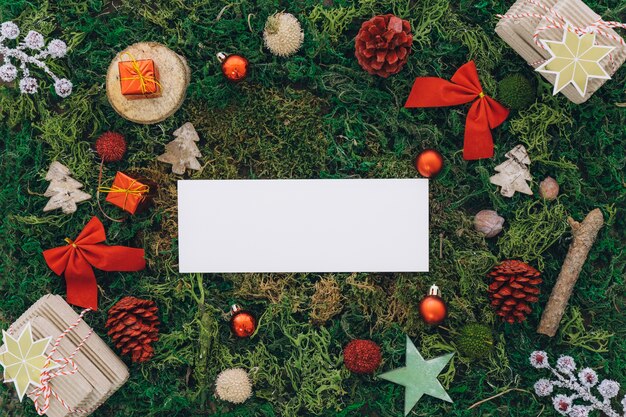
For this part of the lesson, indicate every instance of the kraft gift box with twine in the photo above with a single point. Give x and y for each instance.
(99, 371)
(528, 21)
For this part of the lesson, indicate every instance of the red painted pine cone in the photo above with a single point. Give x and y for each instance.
(133, 325)
(362, 356)
(383, 45)
(513, 287)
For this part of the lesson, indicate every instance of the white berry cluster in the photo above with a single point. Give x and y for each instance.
(580, 384)
(33, 43)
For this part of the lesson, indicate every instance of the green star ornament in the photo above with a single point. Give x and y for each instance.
(419, 377)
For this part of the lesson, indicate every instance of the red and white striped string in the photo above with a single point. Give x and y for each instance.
(47, 376)
(557, 21)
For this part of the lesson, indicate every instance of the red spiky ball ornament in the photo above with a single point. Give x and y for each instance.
(111, 146)
(362, 356)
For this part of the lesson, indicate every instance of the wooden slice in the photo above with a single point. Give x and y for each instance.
(174, 77)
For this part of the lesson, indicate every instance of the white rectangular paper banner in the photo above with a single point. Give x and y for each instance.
(353, 225)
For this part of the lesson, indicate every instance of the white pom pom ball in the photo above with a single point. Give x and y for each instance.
(283, 34)
(233, 385)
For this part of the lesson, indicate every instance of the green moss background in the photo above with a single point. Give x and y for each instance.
(318, 115)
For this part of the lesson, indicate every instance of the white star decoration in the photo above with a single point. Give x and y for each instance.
(24, 360)
(575, 60)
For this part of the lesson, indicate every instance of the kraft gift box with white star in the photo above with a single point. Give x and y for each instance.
(566, 42)
(29, 342)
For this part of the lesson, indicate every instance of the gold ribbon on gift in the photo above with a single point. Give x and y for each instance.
(143, 189)
(143, 79)
(70, 242)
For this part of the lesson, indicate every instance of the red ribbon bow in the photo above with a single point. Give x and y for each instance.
(484, 115)
(80, 256)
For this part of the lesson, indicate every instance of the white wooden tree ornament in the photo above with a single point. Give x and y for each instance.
(182, 151)
(513, 173)
(64, 191)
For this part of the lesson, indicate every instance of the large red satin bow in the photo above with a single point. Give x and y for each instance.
(484, 115)
(78, 258)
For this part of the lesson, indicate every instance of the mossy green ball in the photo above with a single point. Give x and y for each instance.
(475, 341)
(516, 92)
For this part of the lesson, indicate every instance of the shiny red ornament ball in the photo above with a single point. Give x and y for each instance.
(362, 356)
(234, 67)
(429, 163)
(111, 146)
(432, 308)
(242, 322)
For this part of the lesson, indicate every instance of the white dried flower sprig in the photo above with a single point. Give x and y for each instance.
(33, 41)
(580, 386)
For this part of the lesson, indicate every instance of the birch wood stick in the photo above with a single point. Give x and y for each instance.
(585, 234)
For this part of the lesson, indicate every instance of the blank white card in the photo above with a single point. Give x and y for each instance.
(355, 225)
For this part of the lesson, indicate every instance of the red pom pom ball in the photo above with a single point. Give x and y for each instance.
(111, 146)
(362, 356)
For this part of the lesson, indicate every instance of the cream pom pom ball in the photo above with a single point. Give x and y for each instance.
(283, 34)
(233, 385)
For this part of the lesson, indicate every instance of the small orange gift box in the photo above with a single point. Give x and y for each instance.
(129, 194)
(139, 78)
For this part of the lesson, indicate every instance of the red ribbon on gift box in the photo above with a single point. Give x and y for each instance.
(464, 87)
(78, 258)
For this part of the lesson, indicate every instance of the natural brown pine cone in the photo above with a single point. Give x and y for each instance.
(383, 45)
(513, 288)
(133, 325)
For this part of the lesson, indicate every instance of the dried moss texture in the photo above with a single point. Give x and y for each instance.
(317, 114)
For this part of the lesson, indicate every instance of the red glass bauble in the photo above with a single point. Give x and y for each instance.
(429, 163)
(242, 322)
(432, 308)
(234, 67)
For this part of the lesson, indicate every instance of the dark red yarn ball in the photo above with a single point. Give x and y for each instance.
(111, 146)
(362, 356)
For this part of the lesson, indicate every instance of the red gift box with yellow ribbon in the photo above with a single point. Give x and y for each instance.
(139, 78)
(129, 194)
